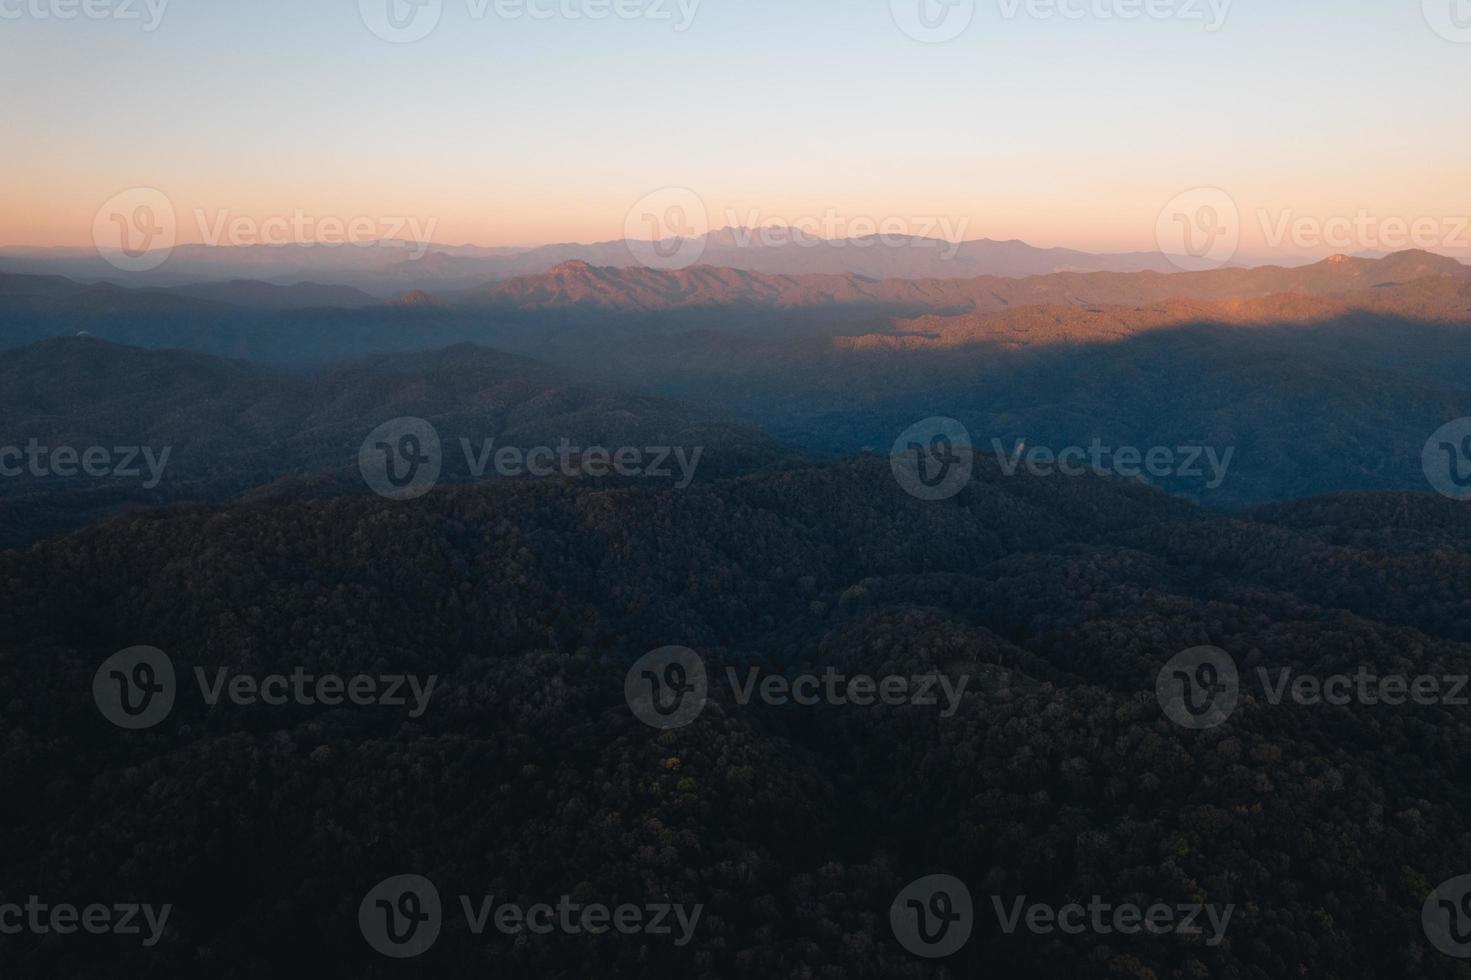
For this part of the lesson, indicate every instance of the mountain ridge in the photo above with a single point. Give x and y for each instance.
(578, 284)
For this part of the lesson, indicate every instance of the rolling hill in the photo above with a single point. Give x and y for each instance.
(1056, 602)
(230, 427)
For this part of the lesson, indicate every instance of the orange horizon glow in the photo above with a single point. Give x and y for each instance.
(525, 133)
(1126, 225)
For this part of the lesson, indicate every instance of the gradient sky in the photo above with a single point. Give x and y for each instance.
(1055, 131)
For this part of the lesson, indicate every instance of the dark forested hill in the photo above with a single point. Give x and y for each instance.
(169, 426)
(1057, 776)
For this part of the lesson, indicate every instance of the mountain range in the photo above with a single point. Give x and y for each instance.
(575, 284)
(1058, 599)
(391, 266)
(1320, 379)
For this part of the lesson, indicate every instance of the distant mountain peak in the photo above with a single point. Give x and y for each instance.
(416, 297)
(1416, 263)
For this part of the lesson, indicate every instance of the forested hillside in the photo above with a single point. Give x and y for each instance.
(1058, 777)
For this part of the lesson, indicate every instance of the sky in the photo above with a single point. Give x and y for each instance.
(1061, 124)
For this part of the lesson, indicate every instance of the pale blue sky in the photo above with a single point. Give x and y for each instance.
(1071, 132)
